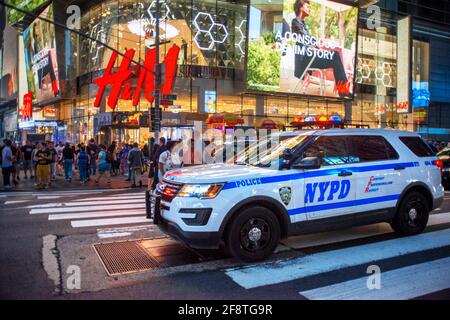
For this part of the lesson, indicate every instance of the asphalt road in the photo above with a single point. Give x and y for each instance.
(47, 238)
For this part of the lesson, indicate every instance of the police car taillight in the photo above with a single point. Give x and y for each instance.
(439, 164)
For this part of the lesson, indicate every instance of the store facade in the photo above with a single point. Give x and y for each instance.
(220, 43)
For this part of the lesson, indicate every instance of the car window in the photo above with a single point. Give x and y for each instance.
(331, 150)
(417, 146)
(370, 148)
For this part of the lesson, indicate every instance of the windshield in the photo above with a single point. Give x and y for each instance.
(268, 152)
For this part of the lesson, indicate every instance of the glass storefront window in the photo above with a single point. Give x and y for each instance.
(297, 108)
(228, 97)
(317, 108)
(277, 108)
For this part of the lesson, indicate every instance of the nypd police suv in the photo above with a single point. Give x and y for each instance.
(309, 182)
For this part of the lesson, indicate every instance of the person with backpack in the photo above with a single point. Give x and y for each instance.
(124, 167)
(27, 151)
(7, 163)
(92, 150)
(104, 162)
(112, 151)
(83, 164)
(136, 160)
(68, 159)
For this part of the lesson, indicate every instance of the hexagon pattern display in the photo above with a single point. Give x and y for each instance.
(208, 31)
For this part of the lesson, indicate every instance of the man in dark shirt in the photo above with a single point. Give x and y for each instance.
(68, 157)
(27, 150)
(53, 154)
(112, 153)
(302, 62)
(15, 168)
(92, 150)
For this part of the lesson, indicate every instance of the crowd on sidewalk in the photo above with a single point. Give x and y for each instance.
(44, 161)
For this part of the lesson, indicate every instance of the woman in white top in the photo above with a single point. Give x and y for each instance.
(165, 162)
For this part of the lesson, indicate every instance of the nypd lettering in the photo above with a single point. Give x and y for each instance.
(326, 191)
(248, 182)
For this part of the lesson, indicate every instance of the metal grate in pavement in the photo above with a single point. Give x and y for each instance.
(124, 257)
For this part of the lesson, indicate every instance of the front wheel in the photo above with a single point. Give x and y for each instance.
(253, 234)
(412, 215)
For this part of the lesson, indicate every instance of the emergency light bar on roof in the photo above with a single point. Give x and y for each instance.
(323, 122)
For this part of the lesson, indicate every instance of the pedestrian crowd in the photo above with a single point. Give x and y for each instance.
(44, 161)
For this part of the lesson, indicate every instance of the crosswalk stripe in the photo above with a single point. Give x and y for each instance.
(16, 201)
(286, 270)
(56, 192)
(88, 208)
(111, 198)
(104, 222)
(83, 215)
(48, 197)
(85, 203)
(121, 231)
(324, 238)
(396, 284)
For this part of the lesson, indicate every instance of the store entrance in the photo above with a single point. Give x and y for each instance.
(125, 135)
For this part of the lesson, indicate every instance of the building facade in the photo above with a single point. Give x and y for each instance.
(220, 42)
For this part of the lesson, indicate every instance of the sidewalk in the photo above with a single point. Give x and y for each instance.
(59, 184)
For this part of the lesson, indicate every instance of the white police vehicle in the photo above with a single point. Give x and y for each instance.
(310, 182)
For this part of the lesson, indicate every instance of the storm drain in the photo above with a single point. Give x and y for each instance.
(124, 257)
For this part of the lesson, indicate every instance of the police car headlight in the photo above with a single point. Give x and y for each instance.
(202, 191)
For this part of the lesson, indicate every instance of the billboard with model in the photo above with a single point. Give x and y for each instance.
(40, 58)
(302, 47)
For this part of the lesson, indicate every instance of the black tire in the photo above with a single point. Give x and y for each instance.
(258, 223)
(404, 223)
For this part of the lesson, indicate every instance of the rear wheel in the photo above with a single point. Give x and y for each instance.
(253, 234)
(412, 215)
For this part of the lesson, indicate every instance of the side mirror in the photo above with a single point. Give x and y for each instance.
(288, 155)
(309, 163)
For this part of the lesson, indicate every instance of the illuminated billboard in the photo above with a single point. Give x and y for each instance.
(15, 16)
(302, 47)
(40, 58)
(8, 64)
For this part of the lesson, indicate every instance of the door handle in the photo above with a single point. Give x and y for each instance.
(345, 174)
(399, 168)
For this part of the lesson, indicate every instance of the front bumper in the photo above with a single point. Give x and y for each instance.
(193, 239)
(437, 202)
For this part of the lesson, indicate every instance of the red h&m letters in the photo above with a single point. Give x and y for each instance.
(146, 77)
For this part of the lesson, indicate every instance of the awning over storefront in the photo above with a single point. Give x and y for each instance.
(269, 123)
(225, 118)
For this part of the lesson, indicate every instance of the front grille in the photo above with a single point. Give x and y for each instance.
(168, 190)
